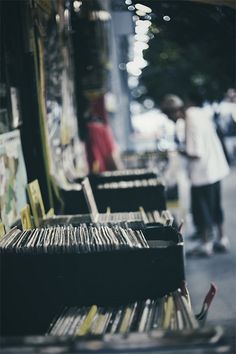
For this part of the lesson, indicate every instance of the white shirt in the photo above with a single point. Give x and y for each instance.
(202, 141)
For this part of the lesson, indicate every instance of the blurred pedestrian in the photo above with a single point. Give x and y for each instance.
(225, 121)
(102, 150)
(207, 167)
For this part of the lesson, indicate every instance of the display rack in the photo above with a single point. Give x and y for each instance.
(122, 175)
(35, 287)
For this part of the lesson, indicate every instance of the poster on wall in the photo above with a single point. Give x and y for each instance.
(13, 178)
(65, 151)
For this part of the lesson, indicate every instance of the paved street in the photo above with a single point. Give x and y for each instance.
(220, 268)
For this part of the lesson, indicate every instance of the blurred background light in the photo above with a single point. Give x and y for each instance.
(143, 8)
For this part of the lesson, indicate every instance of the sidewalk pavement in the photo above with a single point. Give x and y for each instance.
(219, 268)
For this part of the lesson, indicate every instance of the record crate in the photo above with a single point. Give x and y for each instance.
(37, 286)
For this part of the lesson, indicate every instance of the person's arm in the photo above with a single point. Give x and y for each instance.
(194, 148)
(114, 161)
(191, 157)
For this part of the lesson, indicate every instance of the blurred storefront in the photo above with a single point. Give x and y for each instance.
(53, 54)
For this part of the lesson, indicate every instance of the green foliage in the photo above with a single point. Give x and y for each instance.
(195, 49)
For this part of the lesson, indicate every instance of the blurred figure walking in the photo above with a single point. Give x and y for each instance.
(102, 150)
(207, 167)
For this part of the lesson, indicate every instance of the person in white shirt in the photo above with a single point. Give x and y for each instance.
(207, 167)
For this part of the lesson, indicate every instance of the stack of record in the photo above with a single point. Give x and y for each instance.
(70, 239)
(151, 182)
(171, 312)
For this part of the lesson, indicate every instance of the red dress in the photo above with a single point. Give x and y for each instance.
(100, 145)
